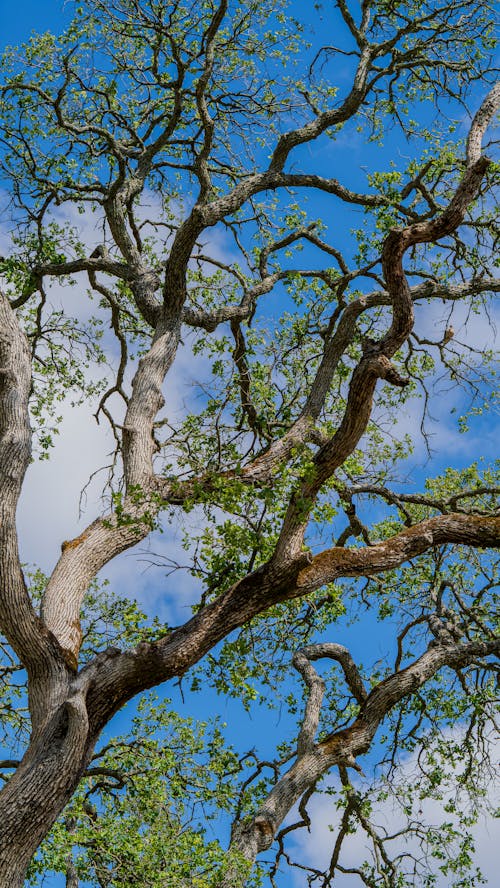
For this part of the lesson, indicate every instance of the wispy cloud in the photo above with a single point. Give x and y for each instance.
(315, 847)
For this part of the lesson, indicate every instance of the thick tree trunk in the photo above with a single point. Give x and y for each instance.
(40, 788)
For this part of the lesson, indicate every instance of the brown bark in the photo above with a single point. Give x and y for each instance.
(68, 708)
(40, 787)
(342, 747)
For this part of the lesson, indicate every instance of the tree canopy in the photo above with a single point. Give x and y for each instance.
(258, 240)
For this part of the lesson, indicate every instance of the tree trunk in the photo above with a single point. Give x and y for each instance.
(40, 788)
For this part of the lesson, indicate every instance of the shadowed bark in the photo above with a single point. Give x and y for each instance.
(69, 706)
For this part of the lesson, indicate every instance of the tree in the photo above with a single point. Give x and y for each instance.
(182, 126)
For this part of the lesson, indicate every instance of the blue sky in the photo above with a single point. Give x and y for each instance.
(18, 20)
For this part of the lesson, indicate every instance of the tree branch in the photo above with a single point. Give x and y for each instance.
(454, 528)
(25, 632)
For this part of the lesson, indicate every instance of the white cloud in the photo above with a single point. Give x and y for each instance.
(315, 848)
(448, 398)
(49, 505)
(49, 508)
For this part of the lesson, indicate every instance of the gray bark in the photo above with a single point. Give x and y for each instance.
(69, 709)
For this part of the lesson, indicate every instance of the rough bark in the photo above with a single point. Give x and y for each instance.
(41, 786)
(69, 709)
(342, 747)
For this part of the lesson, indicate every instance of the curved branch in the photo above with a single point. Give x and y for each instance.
(375, 362)
(208, 45)
(316, 691)
(127, 673)
(342, 747)
(454, 528)
(316, 686)
(147, 399)
(19, 623)
(261, 469)
(482, 119)
(343, 656)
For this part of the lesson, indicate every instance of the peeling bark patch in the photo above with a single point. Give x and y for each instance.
(72, 544)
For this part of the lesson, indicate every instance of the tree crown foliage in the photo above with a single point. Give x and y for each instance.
(189, 173)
